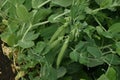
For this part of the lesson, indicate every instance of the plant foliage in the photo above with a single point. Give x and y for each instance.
(62, 39)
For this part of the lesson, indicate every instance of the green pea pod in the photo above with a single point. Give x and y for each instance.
(56, 42)
(57, 33)
(61, 54)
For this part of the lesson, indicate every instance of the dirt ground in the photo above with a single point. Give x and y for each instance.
(6, 72)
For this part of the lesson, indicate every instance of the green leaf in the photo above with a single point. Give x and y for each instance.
(74, 56)
(112, 59)
(63, 3)
(15, 2)
(37, 3)
(107, 34)
(115, 28)
(104, 3)
(28, 4)
(94, 51)
(111, 73)
(89, 62)
(47, 32)
(61, 72)
(26, 44)
(80, 45)
(41, 14)
(89, 30)
(40, 47)
(99, 30)
(103, 77)
(31, 36)
(9, 38)
(54, 18)
(22, 13)
(118, 47)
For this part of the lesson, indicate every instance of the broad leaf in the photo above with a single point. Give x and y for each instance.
(54, 18)
(37, 3)
(115, 28)
(89, 62)
(47, 32)
(9, 38)
(104, 3)
(41, 14)
(112, 59)
(31, 36)
(111, 73)
(39, 47)
(103, 77)
(26, 44)
(74, 56)
(118, 47)
(61, 72)
(107, 34)
(94, 51)
(63, 3)
(22, 13)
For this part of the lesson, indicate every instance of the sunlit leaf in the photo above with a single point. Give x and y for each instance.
(26, 44)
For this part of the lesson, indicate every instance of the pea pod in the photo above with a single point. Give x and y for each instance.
(57, 33)
(62, 51)
(56, 42)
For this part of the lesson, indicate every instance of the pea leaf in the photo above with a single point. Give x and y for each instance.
(94, 51)
(111, 73)
(115, 28)
(39, 47)
(112, 59)
(61, 72)
(37, 3)
(117, 47)
(9, 38)
(103, 77)
(107, 34)
(90, 62)
(47, 32)
(22, 13)
(53, 18)
(74, 56)
(41, 14)
(63, 3)
(104, 3)
(33, 37)
(25, 44)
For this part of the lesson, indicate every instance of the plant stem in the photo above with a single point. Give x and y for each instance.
(27, 31)
(99, 23)
(62, 14)
(22, 28)
(4, 3)
(41, 23)
(44, 3)
(107, 46)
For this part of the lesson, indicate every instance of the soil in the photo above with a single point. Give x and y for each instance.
(6, 72)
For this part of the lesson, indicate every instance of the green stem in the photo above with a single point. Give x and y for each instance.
(96, 10)
(106, 46)
(4, 3)
(41, 23)
(44, 3)
(22, 28)
(66, 12)
(99, 23)
(27, 31)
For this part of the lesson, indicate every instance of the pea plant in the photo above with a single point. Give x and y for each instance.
(62, 39)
